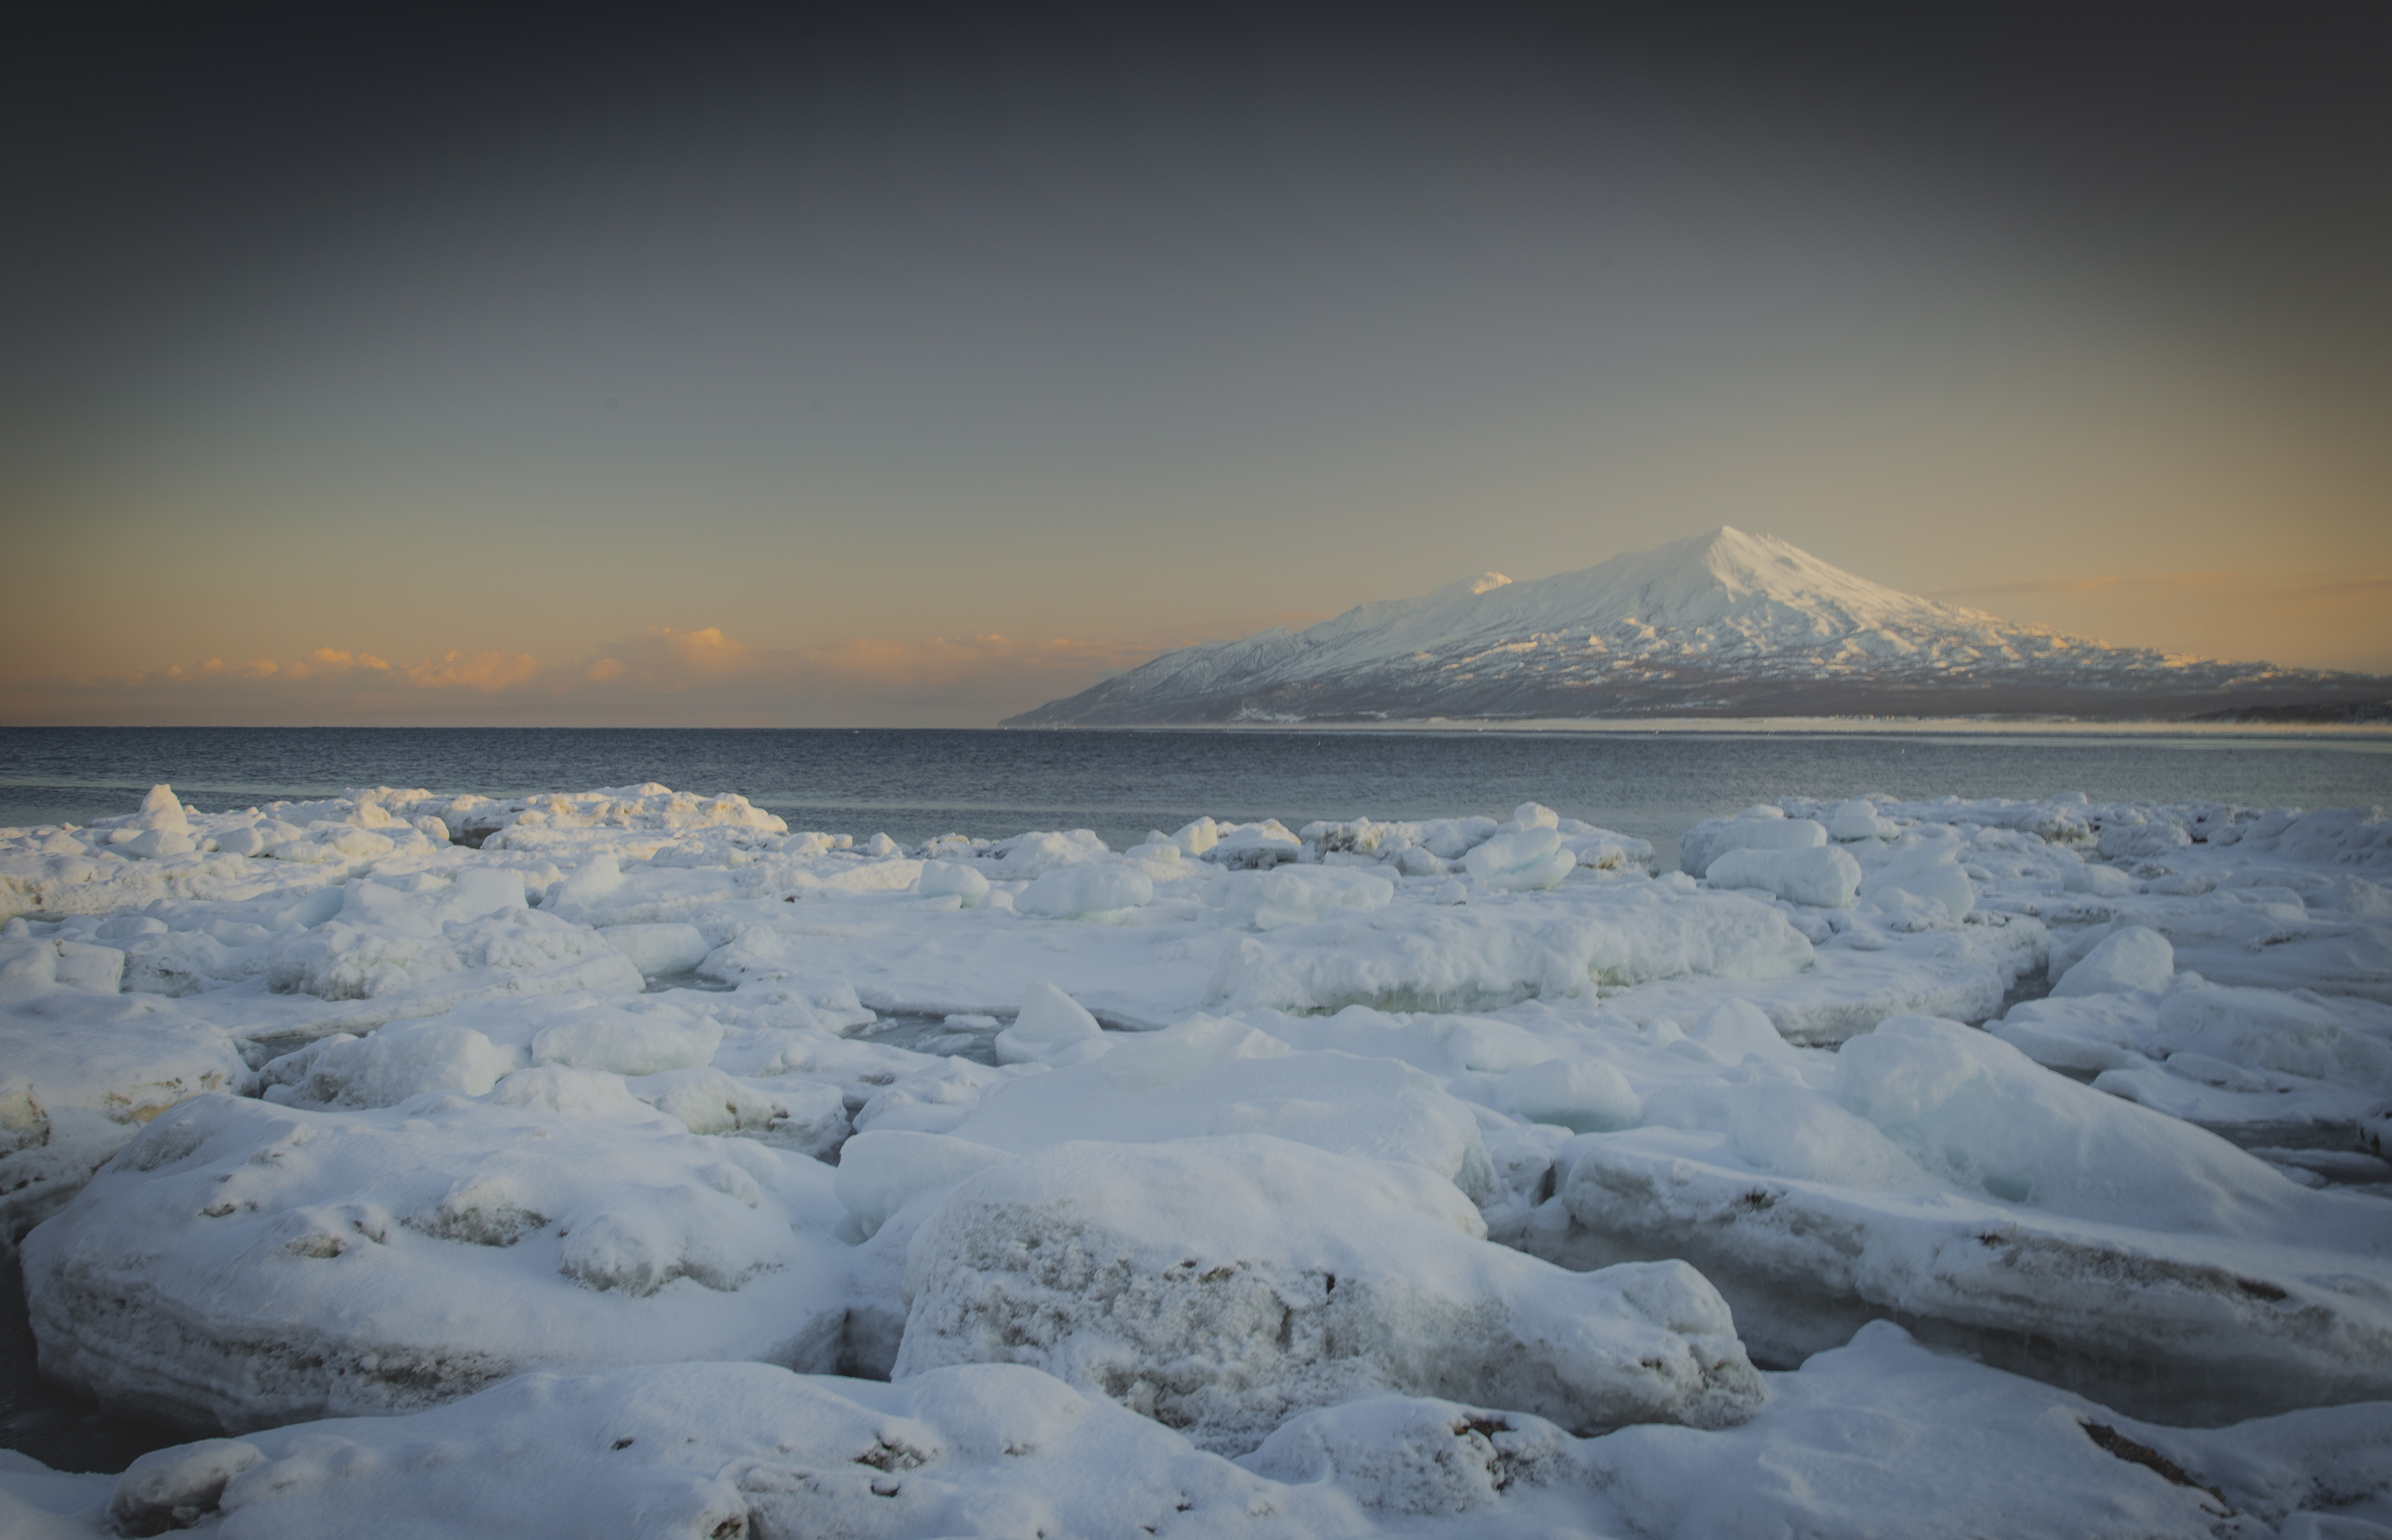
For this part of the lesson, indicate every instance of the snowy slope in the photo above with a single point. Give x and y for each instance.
(1720, 622)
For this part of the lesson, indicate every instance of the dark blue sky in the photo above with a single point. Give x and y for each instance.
(863, 338)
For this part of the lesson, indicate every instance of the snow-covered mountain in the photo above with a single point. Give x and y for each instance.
(1722, 623)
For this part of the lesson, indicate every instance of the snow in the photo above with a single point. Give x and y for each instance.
(1815, 877)
(1700, 625)
(243, 1264)
(1164, 1277)
(1091, 892)
(2131, 959)
(484, 1126)
(1051, 1028)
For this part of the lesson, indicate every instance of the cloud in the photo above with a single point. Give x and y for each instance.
(485, 672)
(656, 675)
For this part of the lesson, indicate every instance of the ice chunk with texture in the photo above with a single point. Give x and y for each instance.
(2001, 1207)
(1526, 859)
(658, 950)
(1822, 877)
(1584, 1095)
(2130, 959)
(388, 1067)
(1086, 892)
(1052, 1028)
(627, 1043)
(2265, 1029)
(1923, 872)
(82, 1069)
(881, 1171)
(716, 1451)
(1882, 1436)
(958, 879)
(1858, 819)
(1761, 828)
(1212, 1076)
(1041, 851)
(1221, 1286)
(1285, 896)
(1477, 958)
(243, 1264)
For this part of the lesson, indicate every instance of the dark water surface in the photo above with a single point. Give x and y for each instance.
(915, 784)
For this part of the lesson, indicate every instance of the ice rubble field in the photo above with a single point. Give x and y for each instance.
(624, 1163)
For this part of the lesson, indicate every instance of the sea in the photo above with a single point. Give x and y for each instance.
(912, 785)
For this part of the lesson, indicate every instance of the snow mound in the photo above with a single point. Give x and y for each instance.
(1941, 1177)
(1279, 896)
(1209, 1076)
(1477, 958)
(242, 1264)
(1219, 1285)
(1821, 878)
(708, 1451)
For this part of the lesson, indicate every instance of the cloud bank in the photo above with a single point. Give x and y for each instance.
(655, 677)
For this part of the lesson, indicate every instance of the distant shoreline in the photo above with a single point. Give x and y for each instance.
(1767, 725)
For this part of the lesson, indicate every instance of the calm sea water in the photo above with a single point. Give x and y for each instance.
(912, 784)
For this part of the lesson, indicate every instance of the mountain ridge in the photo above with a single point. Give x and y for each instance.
(1724, 622)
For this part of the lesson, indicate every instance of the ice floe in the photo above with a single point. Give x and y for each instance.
(1378, 1174)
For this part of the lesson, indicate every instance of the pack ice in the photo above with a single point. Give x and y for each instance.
(624, 1161)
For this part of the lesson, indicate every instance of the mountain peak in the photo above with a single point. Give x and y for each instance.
(1725, 622)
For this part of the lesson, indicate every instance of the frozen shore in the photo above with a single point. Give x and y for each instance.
(626, 1163)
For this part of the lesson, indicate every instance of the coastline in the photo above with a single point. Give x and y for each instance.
(2368, 732)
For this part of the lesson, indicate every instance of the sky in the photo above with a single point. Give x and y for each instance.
(893, 367)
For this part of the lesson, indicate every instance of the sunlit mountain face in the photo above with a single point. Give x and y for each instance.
(1725, 623)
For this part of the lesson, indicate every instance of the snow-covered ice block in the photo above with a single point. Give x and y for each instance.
(83, 1069)
(2102, 882)
(1864, 975)
(1041, 851)
(1220, 1286)
(952, 878)
(936, 1096)
(1477, 958)
(1526, 859)
(1822, 877)
(1212, 1076)
(1948, 1181)
(387, 1067)
(881, 1171)
(1857, 819)
(1880, 1436)
(396, 974)
(1052, 1028)
(1584, 1095)
(717, 1451)
(1253, 847)
(1921, 872)
(2130, 959)
(1087, 892)
(1283, 896)
(658, 949)
(2259, 936)
(2264, 1066)
(627, 1043)
(1761, 828)
(242, 1264)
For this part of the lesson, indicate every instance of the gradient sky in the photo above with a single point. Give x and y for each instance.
(842, 370)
